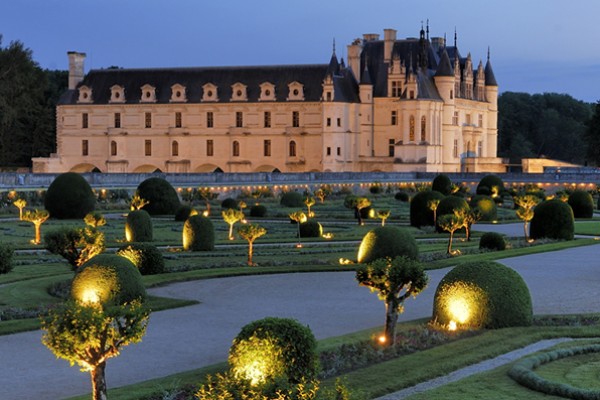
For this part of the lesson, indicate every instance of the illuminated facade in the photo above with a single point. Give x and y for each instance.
(398, 105)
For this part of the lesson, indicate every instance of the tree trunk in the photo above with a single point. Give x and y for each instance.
(358, 215)
(230, 231)
(525, 229)
(391, 319)
(468, 232)
(450, 242)
(38, 235)
(98, 382)
(250, 254)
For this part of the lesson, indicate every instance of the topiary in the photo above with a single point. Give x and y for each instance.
(448, 205)
(552, 219)
(278, 347)
(69, 196)
(108, 279)
(184, 212)
(162, 198)
(401, 196)
(310, 228)
(146, 257)
(258, 210)
(482, 294)
(138, 226)
(292, 199)
(442, 184)
(229, 203)
(492, 184)
(6, 258)
(492, 241)
(420, 213)
(486, 205)
(582, 204)
(387, 241)
(198, 234)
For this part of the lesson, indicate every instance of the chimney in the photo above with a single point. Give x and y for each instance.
(370, 37)
(438, 43)
(76, 73)
(354, 51)
(389, 37)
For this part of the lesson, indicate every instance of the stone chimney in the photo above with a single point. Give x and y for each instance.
(76, 73)
(370, 37)
(354, 51)
(389, 37)
(438, 43)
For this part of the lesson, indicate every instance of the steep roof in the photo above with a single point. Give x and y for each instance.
(490, 78)
(444, 67)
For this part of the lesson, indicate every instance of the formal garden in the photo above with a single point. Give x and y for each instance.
(76, 263)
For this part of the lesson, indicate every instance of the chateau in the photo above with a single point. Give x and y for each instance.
(412, 104)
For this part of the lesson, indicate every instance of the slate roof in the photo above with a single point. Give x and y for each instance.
(490, 78)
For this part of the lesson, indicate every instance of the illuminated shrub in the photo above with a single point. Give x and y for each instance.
(442, 184)
(490, 185)
(420, 213)
(402, 196)
(138, 226)
(482, 294)
(311, 228)
(229, 203)
(162, 198)
(552, 219)
(448, 205)
(486, 205)
(387, 241)
(6, 258)
(274, 348)
(146, 257)
(292, 199)
(492, 241)
(582, 204)
(108, 279)
(258, 210)
(69, 196)
(184, 212)
(198, 234)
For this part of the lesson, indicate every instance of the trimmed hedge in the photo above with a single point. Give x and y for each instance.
(387, 241)
(258, 210)
(111, 278)
(198, 234)
(292, 199)
(487, 183)
(146, 257)
(162, 198)
(486, 205)
(311, 228)
(229, 203)
(442, 184)
(138, 226)
(6, 258)
(184, 212)
(420, 214)
(69, 196)
(552, 219)
(290, 346)
(490, 294)
(492, 241)
(402, 196)
(582, 204)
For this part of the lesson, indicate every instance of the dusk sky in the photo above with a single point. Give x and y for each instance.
(536, 45)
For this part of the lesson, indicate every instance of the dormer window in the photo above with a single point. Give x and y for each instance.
(148, 94)
(238, 92)
(117, 94)
(85, 94)
(296, 91)
(209, 92)
(178, 94)
(267, 92)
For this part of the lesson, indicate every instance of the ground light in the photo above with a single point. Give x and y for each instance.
(462, 305)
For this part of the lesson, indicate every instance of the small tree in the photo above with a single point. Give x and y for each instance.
(207, 195)
(526, 204)
(309, 202)
(451, 223)
(433, 206)
(394, 281)
(37, 218)
(20, 204)
(231, 216)
(383, 215)
(321, 195)
(251, 232)
(94, 219)
(75, 245)
(470, 217)
(299, 217)
(357, 204)
(137, 203)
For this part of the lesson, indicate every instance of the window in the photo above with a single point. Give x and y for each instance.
(295, 119)
(175, 149)
(394, 119)
(267, 119)
(423, 129)
(339, 122)
(451, 94)
(328, 96)
(480, 120)
(177, 120)
(412, 94)
(113, 148)
(339, 151)
(455, 149)
(391, 147)
(210, 119)
(235, 148)
(468, 119)
(239, 119)
(148, 122)
(84, 120)
(210, 148)
(329, 151)
(117, 120)
(148, 147)
(455, 118)
(480, 148)
(328, 121)
(292, 149)
(411, 132)
(84, 147)
(267, 148)
(396, 88)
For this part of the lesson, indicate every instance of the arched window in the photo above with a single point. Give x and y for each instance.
(113, 148)
(235, 148)
(423, 128)
(174, 148)
(411, 132)
(292, 148)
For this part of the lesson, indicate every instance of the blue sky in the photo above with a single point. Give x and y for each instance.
(536, 45)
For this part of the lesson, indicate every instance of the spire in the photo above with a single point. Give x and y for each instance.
(333, 46)
(488, 55)
(334, 66)
(427, 28)
(365, 79)
(455, 37)
(490, 79)
(445, 67)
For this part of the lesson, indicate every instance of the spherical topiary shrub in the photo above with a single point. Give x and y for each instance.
(162, 198)
(420, 213)
(184, 212)
(311, 228)
(552, 219)
(442, 184)
(492, 241)
(229, 203)
(198, 234)
(272, 348)
(402, 196)
(490, 184)
(482, 294)
(486, 205)
(69, 196)
(582, 204)
(292, 199)
(108, 279)
(146, 257)
(258, 210)
(387, 241)
(138, 226)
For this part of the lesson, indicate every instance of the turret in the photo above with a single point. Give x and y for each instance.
(444, 78)
(76, 72)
